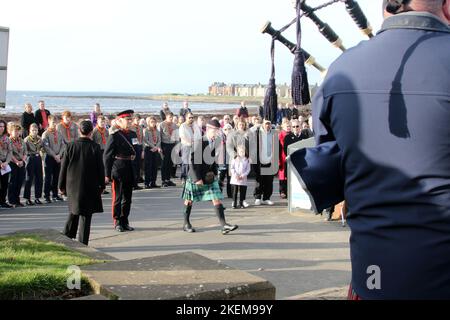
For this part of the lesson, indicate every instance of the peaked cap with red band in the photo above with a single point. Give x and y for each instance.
(125, 114)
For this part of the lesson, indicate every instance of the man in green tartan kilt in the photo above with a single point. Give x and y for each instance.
(202, 183)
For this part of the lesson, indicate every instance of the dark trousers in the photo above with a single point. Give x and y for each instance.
(121, 201)
(222, 175)
(137, 164)
(34, 174)
(283, 187)
(173, 173)
(151, 163)
(51, 169)
(84, 229)
(4, 180)
(167, 163)
(257, 172)
(15, 183)
(267, 186)
(264, 184)
(242, 190)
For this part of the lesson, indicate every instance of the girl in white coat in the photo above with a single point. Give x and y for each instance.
(240, 168)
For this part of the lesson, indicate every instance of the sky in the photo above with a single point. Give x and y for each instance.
(161, 46)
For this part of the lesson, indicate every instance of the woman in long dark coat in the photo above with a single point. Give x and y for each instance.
(82, 179)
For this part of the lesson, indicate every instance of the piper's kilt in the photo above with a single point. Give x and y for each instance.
(196, 193)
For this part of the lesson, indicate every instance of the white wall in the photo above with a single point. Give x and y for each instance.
(4, 39)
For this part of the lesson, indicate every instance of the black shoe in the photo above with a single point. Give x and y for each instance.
(6, 206)
(37, 201)
(105, 192)
(165, 185)
(29, 203)
(171, 184)
(154, 185)
(137, 188)
(119, 228)
(58, 198)
(228, 228)
(147, 186)
(188, 228)
(19, 204)
(47, 200)
(141, 180)
(128, 228)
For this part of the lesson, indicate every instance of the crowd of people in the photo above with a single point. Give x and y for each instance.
(31, 150)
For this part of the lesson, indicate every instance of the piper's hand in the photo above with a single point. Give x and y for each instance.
(107, 180)
(199, 182)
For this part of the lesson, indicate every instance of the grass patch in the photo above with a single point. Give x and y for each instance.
(33, 268)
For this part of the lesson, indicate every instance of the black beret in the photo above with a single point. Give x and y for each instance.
(214, 123)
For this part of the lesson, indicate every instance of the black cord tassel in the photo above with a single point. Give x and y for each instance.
(271, 102)
(299, 85)
(271, 98)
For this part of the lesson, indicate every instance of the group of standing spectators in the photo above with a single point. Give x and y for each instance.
(31, 152)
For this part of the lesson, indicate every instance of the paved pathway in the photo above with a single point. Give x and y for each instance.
(300, 253)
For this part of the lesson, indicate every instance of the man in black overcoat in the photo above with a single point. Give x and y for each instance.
(82, 179)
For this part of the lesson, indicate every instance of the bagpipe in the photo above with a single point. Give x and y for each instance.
(299, 84)
(317, 169)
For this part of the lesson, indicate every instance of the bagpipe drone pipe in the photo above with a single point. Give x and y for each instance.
(316, 168)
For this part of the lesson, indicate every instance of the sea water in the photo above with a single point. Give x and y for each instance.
(83, 102)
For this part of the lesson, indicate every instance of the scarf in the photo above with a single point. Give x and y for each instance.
(154, 135)
(102, 133)
(55, 134)
(67, 129)
(169, 127)
(3, 141)
(35, 142)
(267, 146)
(17, 142)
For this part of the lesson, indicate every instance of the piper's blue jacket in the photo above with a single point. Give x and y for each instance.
(386, 104)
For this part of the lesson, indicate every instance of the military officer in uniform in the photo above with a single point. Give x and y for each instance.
(118, 158)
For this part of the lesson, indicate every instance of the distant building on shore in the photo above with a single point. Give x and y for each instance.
(250, 90)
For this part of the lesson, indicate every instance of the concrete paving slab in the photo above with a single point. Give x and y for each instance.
(182, 276)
